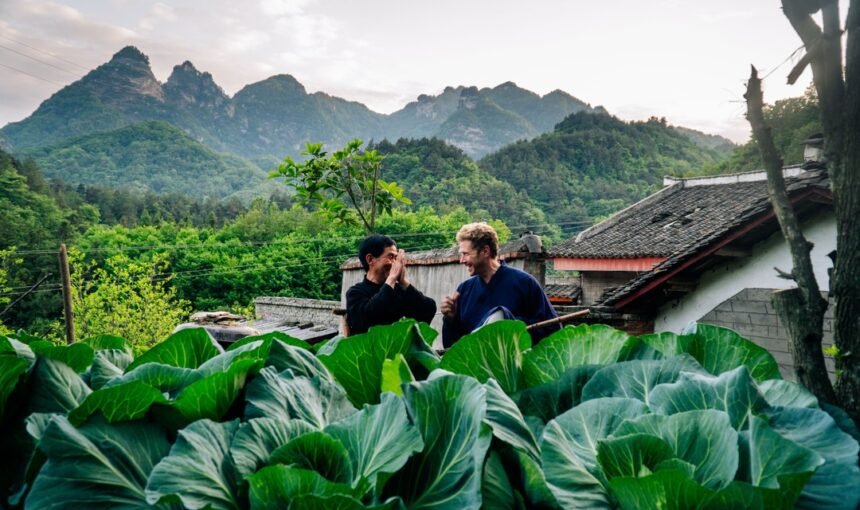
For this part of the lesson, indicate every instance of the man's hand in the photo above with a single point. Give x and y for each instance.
(396, 269)
(449, 305)
(403, 281)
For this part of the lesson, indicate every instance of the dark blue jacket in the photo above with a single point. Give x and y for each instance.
(509, 287)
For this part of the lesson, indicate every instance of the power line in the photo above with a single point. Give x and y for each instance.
(32, 75)
(45, 52)
(76, 75)
(791, 56)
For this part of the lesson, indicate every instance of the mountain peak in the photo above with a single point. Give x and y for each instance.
(130, 54)
(279, 84)
(190, 86)
(506, 85)
(186, 72)
(186, 67)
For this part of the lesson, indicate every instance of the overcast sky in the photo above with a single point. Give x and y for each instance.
(686, 60)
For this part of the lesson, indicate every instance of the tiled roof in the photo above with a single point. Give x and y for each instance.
(679, 217)
(569, 290)
(743, 203)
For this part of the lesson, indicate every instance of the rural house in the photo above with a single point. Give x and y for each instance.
(703, 249)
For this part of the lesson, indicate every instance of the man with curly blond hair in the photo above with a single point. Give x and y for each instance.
(493, 289)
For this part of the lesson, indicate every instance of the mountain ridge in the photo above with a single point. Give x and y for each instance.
(276, 116)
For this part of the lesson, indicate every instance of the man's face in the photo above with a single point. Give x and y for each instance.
(381, 265)
(473, 259)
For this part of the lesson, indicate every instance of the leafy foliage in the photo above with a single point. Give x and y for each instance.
(152, 156)
(591, 165)
(127, 297)
(345, 185)
(443, 177)
(659, 430)
(792, 120)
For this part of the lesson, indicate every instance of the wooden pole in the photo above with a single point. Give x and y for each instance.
(67, 295)
(559, 320)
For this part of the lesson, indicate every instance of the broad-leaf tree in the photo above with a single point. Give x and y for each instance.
(345, 184)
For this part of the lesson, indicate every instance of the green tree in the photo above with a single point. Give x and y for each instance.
(345, 184)
(127, 298)
(6, 257)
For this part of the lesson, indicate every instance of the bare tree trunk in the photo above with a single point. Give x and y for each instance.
(840, 119)
(846, 197)
(801, 310)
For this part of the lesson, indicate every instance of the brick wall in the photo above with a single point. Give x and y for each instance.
(594, 283)
(750, 313)
(298, 310)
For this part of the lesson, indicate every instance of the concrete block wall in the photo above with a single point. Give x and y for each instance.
(594, 283)
(298, 310)
(750, 313)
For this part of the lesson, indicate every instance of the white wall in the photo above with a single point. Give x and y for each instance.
(756, 271)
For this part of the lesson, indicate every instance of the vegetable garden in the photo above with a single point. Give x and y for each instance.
(588, 418)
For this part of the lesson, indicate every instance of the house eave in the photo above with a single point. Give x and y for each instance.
(606, 264)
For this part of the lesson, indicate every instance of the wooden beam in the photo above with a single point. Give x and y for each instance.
(733, 252)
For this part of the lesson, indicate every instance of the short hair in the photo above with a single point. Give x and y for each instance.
(480, 234)
(373, 244)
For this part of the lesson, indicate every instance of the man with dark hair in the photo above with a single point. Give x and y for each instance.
(385, 295)
(495, 290)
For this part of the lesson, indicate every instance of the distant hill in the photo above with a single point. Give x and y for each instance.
(152, 156)
(270, 119)
(442, 176)
(479, 121)
(717, 143)
(594, 164)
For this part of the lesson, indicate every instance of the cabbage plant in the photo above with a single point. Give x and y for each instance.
(589, 418)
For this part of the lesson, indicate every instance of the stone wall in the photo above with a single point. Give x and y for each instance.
(317, 311)
(750, 313)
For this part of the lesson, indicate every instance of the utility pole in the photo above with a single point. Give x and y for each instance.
(67, 295)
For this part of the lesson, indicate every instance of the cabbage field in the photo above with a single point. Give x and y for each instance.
(588, 418)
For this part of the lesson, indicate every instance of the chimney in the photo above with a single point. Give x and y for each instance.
(535, 262)
(813, 152)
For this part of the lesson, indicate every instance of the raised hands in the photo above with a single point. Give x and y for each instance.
(397, 273)
(449, 305)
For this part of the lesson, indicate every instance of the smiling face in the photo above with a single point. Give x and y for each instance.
(379, 267)
(474, 260)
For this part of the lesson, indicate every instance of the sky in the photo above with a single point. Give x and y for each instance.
(686, 60)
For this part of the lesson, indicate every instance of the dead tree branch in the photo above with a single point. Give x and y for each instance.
(801, 310)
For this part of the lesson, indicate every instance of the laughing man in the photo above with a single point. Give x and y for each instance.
(494, 288)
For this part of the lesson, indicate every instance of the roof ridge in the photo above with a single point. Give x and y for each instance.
(733, 178)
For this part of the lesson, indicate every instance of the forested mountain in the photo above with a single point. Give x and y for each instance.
(275, 117)
(592, 165)
(721, 145)
(153, 156)
(479, 121)
(442, 176)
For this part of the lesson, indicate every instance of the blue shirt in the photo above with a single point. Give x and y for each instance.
(509, 287)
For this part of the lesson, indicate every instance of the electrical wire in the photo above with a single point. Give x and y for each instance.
(76, 75)
(32, 75)
(84, 68)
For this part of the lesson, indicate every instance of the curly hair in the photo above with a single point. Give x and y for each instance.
(480, 234)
